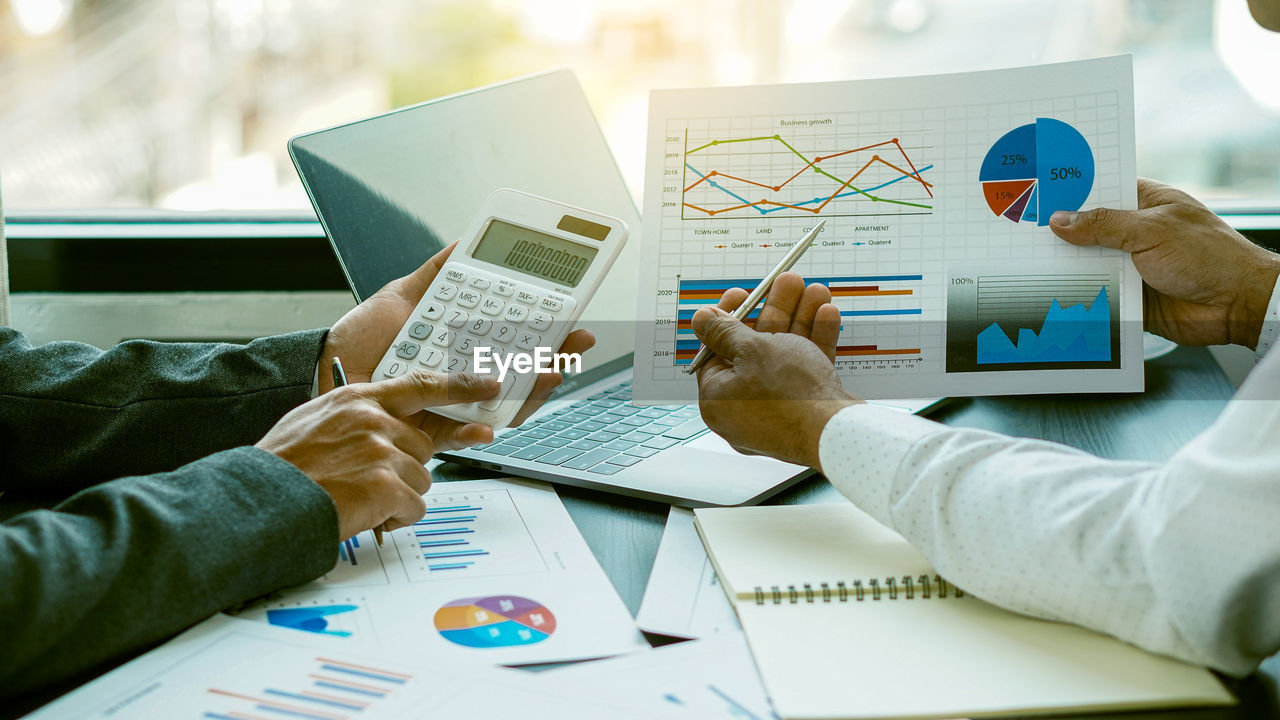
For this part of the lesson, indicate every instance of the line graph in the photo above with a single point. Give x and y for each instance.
(722, 178)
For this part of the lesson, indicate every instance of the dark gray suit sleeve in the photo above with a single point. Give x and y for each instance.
(123, 565)
(72, 416)
(131, 561)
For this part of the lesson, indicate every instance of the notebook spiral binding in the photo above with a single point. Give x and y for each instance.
(905, 588)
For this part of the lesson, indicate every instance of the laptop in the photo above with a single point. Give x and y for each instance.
(394, 189)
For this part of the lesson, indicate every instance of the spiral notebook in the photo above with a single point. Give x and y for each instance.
(846, 620)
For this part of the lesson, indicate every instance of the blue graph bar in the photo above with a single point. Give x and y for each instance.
(455, 566)
(363, 673)
(464, 553)
(446, 521)
(293, 713)
(218, 716)
(428, 533)
(442, 543)
(863, 313)
(358, 691)
(747, 283)
(453, 508)
(308, 698)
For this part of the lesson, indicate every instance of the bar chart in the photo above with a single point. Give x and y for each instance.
(887, 299)
(330, 689)
(478, 533)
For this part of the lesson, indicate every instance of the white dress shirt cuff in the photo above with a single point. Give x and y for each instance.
(1270, 323)
(861, 449)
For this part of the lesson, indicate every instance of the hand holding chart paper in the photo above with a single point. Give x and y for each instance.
(936, 192)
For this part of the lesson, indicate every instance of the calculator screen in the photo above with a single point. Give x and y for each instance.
(534, 253)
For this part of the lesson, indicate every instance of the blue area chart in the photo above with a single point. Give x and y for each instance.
(310, 619)
(1072, 334)
(1037, 169)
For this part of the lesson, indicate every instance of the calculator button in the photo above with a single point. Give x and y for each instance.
(457, 319)
(527, 298)
(432, 358)
(538, 320)
(515, 314)
(528, 341)
(394, 368)
(468, 299)
(455, 275)
(479, 326)
(464, 345)
(458, 363)
(445, 291)
(420, 330)
(407, 350)
(493, 402)
(443, 338)
(492, 306)
(551, 304)
(503, 333)
(504, 290)
(433, 311)
(479, 283)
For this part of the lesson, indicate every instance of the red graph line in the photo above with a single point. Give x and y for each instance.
(914, 174)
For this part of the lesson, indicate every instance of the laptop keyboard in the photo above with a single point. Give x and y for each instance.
(602, 433)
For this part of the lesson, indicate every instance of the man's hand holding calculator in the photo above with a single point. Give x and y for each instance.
(366, 445)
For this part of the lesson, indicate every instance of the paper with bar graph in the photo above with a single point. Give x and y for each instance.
(495, 571)
(229, 669)
(937, 193)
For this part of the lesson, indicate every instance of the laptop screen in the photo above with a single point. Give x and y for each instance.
(393, 189)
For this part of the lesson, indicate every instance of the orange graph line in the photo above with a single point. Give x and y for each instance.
(914, 174)
(273, 703)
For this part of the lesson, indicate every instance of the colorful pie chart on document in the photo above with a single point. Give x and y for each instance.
(495, 621)
(1037, 169)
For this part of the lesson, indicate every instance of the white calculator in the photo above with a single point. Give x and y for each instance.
(511, 291)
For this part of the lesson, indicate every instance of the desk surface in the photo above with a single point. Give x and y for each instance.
(1185, 392)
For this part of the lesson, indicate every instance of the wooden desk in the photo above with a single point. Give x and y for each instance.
(1185, 392)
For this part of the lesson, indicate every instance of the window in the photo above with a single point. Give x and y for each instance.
(187, 104)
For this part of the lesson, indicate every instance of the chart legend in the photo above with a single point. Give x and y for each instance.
(1037, 169)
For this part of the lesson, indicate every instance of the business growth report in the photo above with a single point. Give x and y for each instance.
(937, 193)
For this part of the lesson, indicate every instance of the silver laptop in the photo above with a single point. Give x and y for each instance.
(392, 190)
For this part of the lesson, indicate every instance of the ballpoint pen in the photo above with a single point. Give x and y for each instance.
(762, 289)
(340, 379)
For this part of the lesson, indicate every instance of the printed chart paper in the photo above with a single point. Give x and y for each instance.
(228, 669)
(703, 679)
(937, 193)
(683, 597)
(495, 572)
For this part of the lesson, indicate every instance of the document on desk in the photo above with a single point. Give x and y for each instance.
(495, 572)
(937, 193)
(683, 597)
(846, 620)
(702, 679)
(229, 669)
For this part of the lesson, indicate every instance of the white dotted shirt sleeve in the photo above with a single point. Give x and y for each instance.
(1181, 558)
(1270, 323)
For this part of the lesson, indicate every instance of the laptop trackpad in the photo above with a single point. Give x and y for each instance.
(711, 441)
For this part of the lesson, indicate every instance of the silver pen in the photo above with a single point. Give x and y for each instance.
(762, 289)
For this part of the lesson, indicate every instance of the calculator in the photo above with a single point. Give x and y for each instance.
(506, 298)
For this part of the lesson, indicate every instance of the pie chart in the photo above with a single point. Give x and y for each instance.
(495, 621)
(1037, 169)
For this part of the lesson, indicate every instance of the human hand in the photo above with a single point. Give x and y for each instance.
(1203, 282)
(362, 336)
(771, 390)
(356, 444)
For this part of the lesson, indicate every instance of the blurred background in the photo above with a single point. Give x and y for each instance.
(187, 104)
